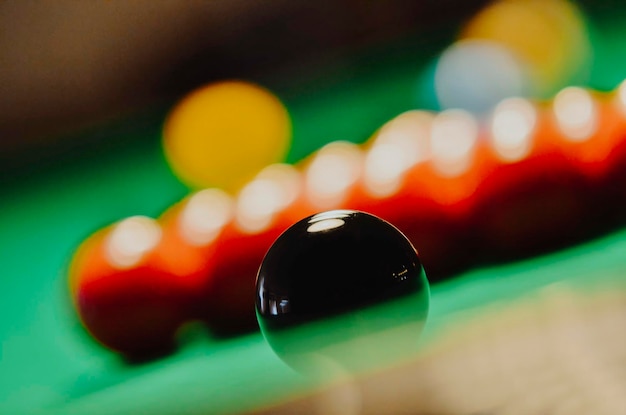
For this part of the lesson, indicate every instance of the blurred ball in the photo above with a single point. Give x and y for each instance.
(550, 36)
(123, 296)
(221, 135)
(476, 75)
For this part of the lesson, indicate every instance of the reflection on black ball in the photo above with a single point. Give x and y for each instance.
(341, 289)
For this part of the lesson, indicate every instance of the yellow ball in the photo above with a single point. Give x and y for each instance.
(222, 134)
(549, 35)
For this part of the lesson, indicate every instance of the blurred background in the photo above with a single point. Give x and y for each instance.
(66, 65)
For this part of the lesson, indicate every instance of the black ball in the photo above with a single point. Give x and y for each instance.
(341, 288)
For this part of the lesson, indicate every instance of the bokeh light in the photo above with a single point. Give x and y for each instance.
(511, 130)
(453, 142)
(409, 131)
(286, 178)
(400, 144)
(130, 239)
(204, 215)
(273, 189)
(384, 168)
(576, 113)
(333, 169)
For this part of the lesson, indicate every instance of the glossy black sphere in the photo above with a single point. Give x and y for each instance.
(343, 288)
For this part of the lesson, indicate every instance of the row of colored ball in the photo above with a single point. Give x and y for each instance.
(536, 177)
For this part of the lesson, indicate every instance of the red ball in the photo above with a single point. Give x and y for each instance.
(226, 305)
(533, 201)
(192, 229)
(262, 211)
(614, 176)
(421, 178)
(124, 298)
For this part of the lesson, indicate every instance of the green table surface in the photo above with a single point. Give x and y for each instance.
(49, 365)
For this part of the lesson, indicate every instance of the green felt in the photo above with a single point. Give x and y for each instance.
(49, 365)
(209, 376)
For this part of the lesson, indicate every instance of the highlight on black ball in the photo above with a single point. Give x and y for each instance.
(341, 289)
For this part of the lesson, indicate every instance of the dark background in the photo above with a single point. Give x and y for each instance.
(67, 65)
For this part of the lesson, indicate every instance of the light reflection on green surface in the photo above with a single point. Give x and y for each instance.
(356, 341)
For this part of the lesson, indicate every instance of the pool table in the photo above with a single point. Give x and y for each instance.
(554, 307)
